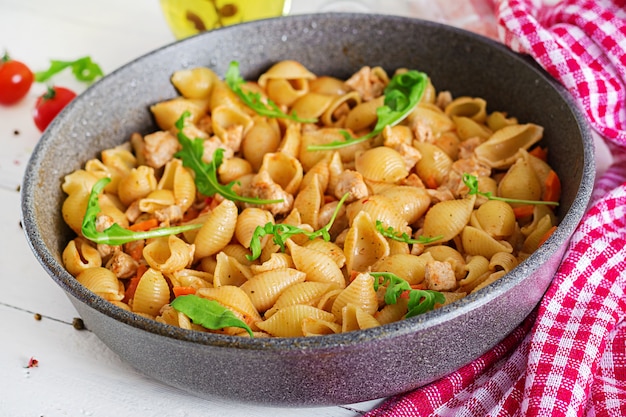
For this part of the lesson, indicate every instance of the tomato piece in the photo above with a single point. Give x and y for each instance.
(15, 80)
(50, 104)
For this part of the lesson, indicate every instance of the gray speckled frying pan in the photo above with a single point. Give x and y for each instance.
(335, 369)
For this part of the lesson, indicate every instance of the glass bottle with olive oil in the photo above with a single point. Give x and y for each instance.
(189, 17)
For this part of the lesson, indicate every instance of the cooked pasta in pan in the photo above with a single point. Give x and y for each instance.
(301, 204)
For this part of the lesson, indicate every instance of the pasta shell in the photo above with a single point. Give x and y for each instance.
(229, 272)
(470, 107)
(434, 166)
(431, 118)
(364, 246)
(477, 242)
(73, 210)
(520, 182)
(79, 255)
(156, 200)
(309, 201)
(102, 282)
(262, 138)
(265, 288)
(151, 294)
(224, 118)
(318, 266)
(110, 206)
(363, 116)
(248, 220)
(496, 218)
(503, 261)
(287, 322)
(287, 69)
(354, 318)
(217, 231)
(330, 86)
(392, 312)
(235, 299)
(222, 95)
(467, 128)
(233, 169)
(168, 254)
(316, 327)
(501, 149)
(443, 253)
(284, 170)
(308, 293)
(448, 218)
(167, 112)
(194, 82)
(179, 180)
(381, 164)
(329, 248)
(292, 140)
(275, 261)
(360, 293)
(137, 184)
(497, 120)
(379, 207)
(535, 238)
(238, 252)
(410, 202)
(411, 268)
(337, 112)
(476, 267)
(311, 105)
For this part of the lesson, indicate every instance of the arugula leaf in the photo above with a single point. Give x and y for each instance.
(282, 232)
(84, 69)
(472, 183)
(116, 234)
(402, 94)
(420, 301)
(206, 174)
(208, 313)
(253, 100)
(404, 237)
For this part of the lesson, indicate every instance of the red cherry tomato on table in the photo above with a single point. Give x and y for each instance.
(15, 80)
(50, 104)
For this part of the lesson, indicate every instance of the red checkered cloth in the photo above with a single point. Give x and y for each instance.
(568, 358)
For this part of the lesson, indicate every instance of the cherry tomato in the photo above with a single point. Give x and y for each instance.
(49, 104)
(15, 80)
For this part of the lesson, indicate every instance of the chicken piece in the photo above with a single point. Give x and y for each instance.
(439, 276)
(232, 137)
(122, 265)
(466, 147)
(169, 215)
(367, 84)
(351, 182)
(103, 222)
(422, 131)
(159, 148)
(440, 194)
(263, 187)
(211, 145)
(410, 155)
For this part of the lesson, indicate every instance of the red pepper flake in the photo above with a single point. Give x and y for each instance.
(32, 363)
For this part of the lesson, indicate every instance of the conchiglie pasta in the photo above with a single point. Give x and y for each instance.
(447, 219)
(152, 293)
(217, 230)
(265, 288)
(102, 282)
(287, 322)
(359, 293)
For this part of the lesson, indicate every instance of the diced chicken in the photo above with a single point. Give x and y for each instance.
(169, 215)
(367, 84)
(211, 145)
(422, 131)
(103, 222)
(133, 212)
(413, 180)
(122, 265)
(351, 182)
(410, 155)
(263, 187)
(439, 276)
(232, 137)
(466, 147)
(159, 148)
(440, 194)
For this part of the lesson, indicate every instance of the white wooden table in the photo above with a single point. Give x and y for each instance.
(78, 375)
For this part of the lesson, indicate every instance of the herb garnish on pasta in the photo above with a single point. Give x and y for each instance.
(208, 313)
(282, 232)
(116, 234)
(420, 301)
(206, 174)
(254, 100)
(391, 233)
(402, 94)
(472, 183)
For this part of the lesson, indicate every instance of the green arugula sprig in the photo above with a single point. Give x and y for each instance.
(206, 174)
(472, 183)
(208, 313)
(84, 69)
(116, 234)
(282, 232)
(420, 301)
(254, 100)
(391, 233)
(402, 94)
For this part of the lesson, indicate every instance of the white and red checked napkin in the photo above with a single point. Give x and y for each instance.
(568, 358)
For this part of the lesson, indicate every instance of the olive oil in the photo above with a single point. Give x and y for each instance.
(189, 17)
